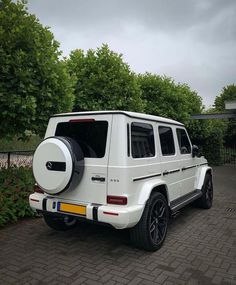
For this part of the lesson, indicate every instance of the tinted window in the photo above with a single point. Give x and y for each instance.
(91, 136)
(142, 140)
(167, 141)
(184, 144)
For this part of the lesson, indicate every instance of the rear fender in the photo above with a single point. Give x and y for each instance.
(201, 173)
(147, 189)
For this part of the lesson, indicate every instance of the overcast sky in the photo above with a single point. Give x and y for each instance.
(192, 41)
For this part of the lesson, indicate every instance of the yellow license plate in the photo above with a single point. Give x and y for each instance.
(71, 208)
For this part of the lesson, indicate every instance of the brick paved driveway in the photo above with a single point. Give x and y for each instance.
(200, 249)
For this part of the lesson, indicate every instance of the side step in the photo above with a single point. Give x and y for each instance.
(185, 200)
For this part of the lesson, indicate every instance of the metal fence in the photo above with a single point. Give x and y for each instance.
(25, 158)
(228, 156)
(16, 158)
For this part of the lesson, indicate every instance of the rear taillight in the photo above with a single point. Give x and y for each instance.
(117, 200)
(37, 189)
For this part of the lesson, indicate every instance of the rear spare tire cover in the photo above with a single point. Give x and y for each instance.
(58, 163)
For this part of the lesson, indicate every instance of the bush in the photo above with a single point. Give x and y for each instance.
(212, 149)
(164, 97)
(103, 81)
(34, 82)
(17, 143)
(15, 186)
(208, 136)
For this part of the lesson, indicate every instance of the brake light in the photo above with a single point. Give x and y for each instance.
(37, 189)
(117, 200)
(81, 120)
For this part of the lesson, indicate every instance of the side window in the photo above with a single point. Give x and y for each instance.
(167, 141)
(142, 140)
(184, 144)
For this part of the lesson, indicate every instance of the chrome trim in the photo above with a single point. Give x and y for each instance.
(146, 177)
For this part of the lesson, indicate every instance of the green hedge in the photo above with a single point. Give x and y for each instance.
(208, 135)
(212, 149)
(16, 143)
(16, 184)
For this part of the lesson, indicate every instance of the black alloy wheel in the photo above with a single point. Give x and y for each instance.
(209, 191)
(206, 200)
(158, 221)
(150, 232)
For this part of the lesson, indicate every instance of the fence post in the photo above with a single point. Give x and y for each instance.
(8, 159)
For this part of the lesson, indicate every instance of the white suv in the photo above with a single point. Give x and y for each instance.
(125, 169)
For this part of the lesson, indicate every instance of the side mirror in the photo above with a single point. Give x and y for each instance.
(195, 150)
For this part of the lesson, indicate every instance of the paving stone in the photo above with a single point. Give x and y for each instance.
(200, 249)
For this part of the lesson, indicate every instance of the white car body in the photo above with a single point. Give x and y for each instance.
(179, 177)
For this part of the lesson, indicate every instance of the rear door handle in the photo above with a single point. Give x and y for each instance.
(165, 172)
(101, 179)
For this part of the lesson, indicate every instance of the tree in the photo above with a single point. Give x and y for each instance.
(103, 81)
(34, 83)
(208, 135)
(228, 93)
(165, 98)
(177, 101)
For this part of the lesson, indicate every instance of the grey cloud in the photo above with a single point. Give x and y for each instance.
(192, 41)
(166, 16)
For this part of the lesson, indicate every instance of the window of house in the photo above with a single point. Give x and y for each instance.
(167, 140)
(142, 140)
(184, 144)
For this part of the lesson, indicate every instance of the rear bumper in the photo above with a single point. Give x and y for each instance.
(120, 217)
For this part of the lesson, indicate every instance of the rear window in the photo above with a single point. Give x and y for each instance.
(91, 136)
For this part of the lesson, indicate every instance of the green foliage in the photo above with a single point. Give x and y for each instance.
(165, 98)
(177, 101)
(230, 136)
(208, 136)
(228, 94)
(212, 135)
(34, 83)
(16, 143)
(15, 186)
(103, 81)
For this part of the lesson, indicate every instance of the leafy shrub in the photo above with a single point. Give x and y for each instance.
(212, 149)
(15, 186)
(34, 82)
(103, 81)
(208, 135)
(164, 97)
(17, 143)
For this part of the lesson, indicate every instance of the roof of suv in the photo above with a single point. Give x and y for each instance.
(129, 114)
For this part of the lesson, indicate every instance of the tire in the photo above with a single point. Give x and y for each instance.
(60, 223)
(205, 201)
(150, 232)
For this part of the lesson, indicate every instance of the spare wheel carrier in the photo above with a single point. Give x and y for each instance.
(58, 164)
